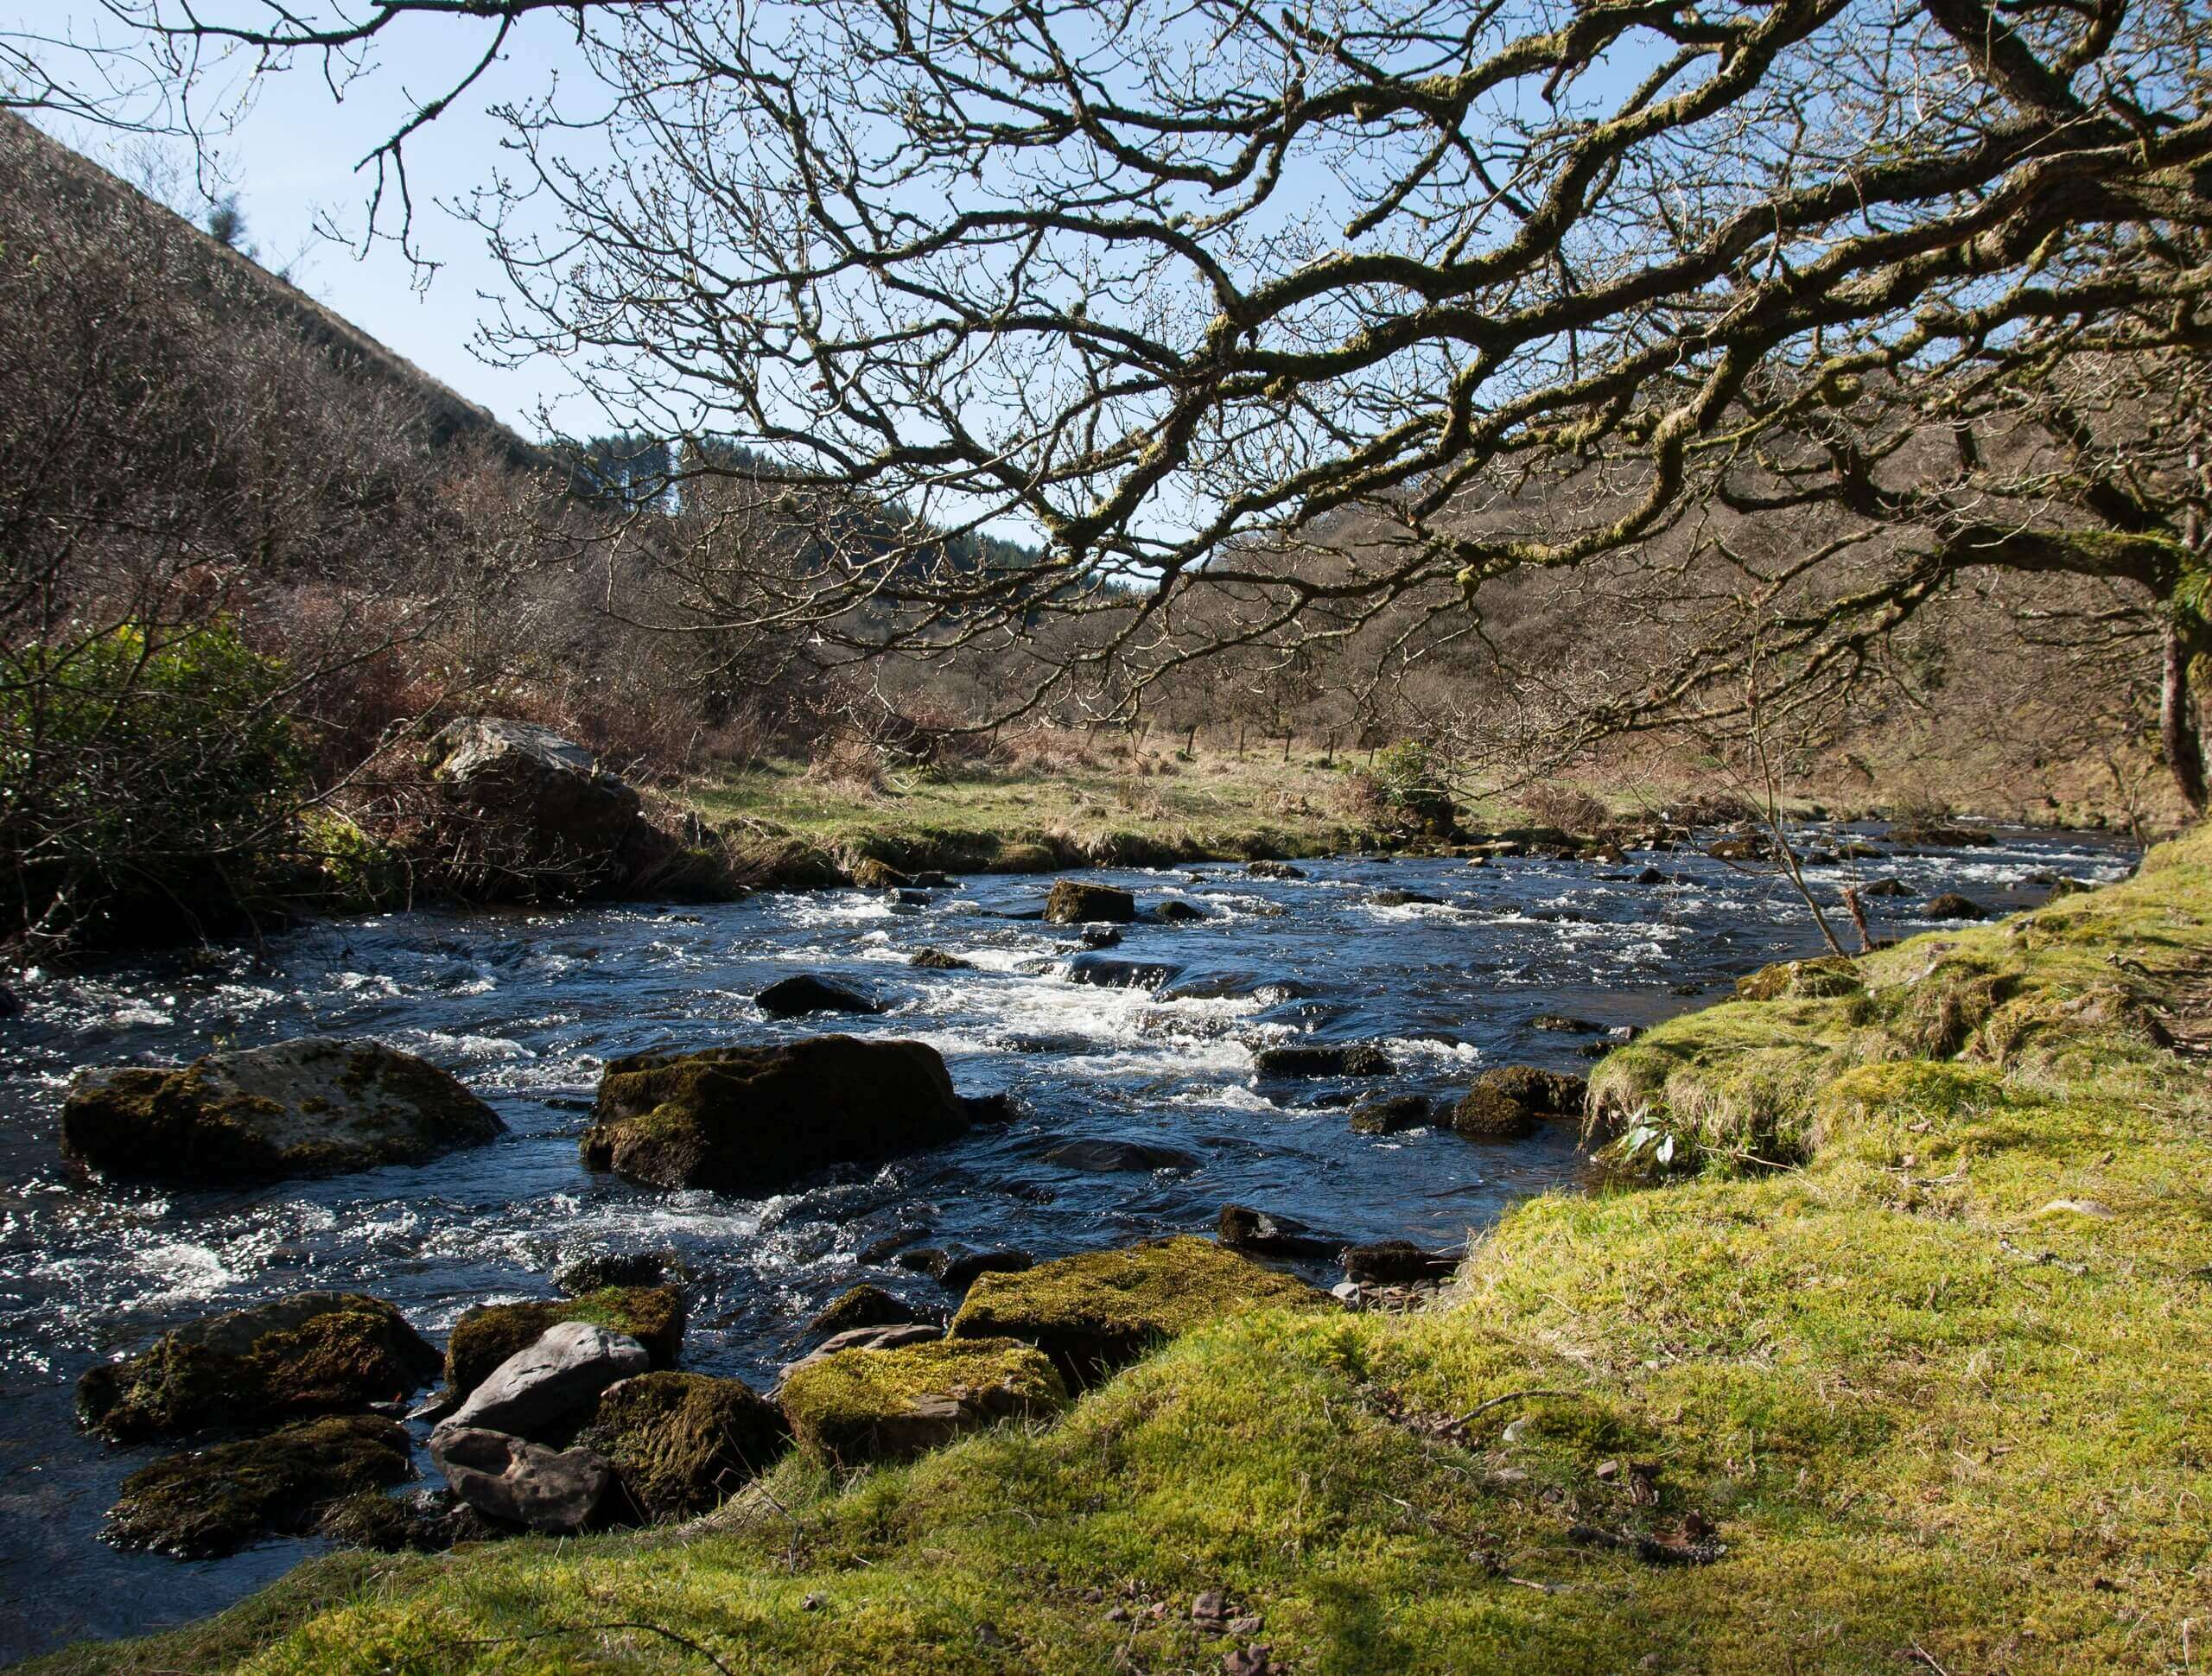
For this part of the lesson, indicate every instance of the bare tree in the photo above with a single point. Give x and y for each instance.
(1172, 282)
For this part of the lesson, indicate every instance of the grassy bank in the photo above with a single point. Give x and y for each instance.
(1910, 1374)
(1082, 809)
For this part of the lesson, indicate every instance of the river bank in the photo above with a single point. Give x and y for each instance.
(1733, 1334)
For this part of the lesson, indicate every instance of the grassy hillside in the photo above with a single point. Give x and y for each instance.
(1910, 1375)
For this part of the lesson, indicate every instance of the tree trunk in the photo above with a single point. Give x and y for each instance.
(2178, 733)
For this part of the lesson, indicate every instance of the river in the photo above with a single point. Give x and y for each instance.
(525, 1006)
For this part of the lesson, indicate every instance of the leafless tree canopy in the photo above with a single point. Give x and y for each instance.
(1190, 288)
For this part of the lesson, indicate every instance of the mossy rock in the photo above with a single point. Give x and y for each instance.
(1801, 980)
(1510, 1103)
(488, 1334)
(870, 874)
(1324, 1059)
(752, 1120)
(1100, 1310)
(214, 1501)
(864, 1306)
(862, 1405)
(1072, 902)
(315, 1107)
(313, 1353)
(683, 1444)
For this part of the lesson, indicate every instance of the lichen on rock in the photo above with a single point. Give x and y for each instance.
(208, 1502)
(683, 1444)
(486, 1335)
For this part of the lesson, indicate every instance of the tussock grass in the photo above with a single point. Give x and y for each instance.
(1940, 1389)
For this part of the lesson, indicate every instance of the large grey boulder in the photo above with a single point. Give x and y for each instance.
(559, 1376)
(529, 814)
(315, 1107)
(549, 1490)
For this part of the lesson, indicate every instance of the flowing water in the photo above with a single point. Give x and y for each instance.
(525, 1008)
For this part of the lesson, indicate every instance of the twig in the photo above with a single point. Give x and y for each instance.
(1928, 1659)
(1510, 1396)
(683, 1641)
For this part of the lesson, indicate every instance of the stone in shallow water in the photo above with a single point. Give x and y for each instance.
(1389, 1115)
(315, 1107)
(792, 998)
(864, 1306)
(1264, 1234)
(1107, 1156)
(1345, 1059)
(313, 1353)
(1071, 902)
(208, 1502)
(1397, 1263)
(754, 1119)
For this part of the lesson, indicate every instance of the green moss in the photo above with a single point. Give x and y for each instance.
(862, 1405)
(1830, 975)
(683, 1444)
(863, 1306)
(313, 1354)
(1093, 1312)
(214, 1501)
(488, 1334)
(1937, 1417)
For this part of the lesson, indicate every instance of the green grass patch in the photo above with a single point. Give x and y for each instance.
(1900, 1368)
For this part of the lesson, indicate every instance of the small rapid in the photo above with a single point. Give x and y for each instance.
(525, 1008)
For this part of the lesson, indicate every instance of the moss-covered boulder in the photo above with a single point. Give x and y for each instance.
(214, 1501)
(1510, 1102)
(886, 1404)
(1391, 1114)
(1096, 1312)
(1801, 980)
(1071, 902)
(313, 1107)
(864, 1306)
(488, 1334)
(753, 1120)
(313, 1353)
(683, 1444)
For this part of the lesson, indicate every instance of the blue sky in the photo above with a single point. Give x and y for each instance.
(292, 159)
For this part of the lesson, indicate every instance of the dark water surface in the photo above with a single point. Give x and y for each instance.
(525, 1008)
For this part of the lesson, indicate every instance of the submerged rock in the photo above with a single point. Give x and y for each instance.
(1273, 870)
(886, 1405)
(1395, 898)
(1243, 1229)
(683, 1444)
(863, 1306)
(537, 1389)
(488, 1335)
(313, 1353)
(214, 1501)
(1390, 1114)
(792, 998)
(1104, 1156)
(532, 814)
(754, 1119)
(1108, 974)
(315, 1107)
(1096, 1311)
(1334, 1059)
(1175, 911)
(1071, 902)
(961, 1269)
(553, 1491)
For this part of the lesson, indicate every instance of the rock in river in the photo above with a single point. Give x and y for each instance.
(791, 998)
(1951, 906)
(1243, 1229)
(1104, 1156)
(535, 1391)
(549, 1490)
(754, 1119)
(864, 1306)
(1103, 973)
(488, 1335)
(313, 1353)
(1074, 903)
(1398, 1262)
(1390, 1114)
(884, 1404)
(1339, 1059)
(315, 1107)
(1508, 1103)
(214, 1501)
(1093, 1312)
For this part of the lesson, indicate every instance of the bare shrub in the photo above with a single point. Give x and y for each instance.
(1569, 808)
